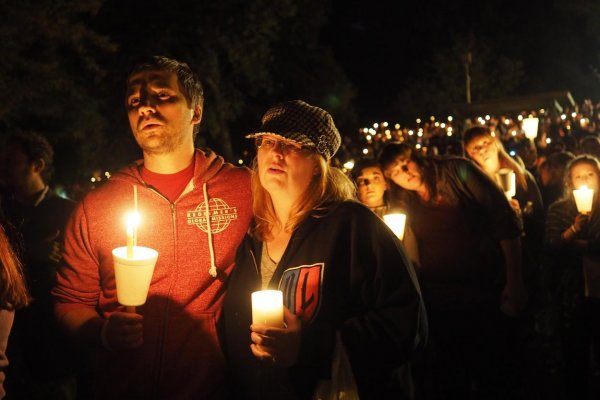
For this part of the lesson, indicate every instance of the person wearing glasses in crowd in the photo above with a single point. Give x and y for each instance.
(344, 276)
(469, 269)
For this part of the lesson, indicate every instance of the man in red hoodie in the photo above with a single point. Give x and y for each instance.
(195, 210)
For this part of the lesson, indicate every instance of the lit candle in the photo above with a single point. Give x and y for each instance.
(396, 222)
(584, 199)
(267, 308)
(507, 179)
(133, 220)
(530, 127)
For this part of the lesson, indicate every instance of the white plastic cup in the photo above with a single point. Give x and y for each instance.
(133, 274)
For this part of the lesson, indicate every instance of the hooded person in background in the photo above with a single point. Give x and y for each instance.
(195, 210)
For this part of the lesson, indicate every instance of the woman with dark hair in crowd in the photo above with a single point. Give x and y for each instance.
(573, 247)
(13, 295)
(470, 270)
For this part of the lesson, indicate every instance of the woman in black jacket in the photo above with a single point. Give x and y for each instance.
(342, 271)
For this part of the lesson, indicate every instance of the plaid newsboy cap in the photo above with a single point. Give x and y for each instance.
(302, 123)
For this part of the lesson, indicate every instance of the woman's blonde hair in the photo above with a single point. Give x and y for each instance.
(506, 161)
(13, 291)
(329, 187)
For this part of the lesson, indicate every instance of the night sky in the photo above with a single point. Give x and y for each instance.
(385, 44)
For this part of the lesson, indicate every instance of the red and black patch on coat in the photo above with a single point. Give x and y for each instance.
(302, 287)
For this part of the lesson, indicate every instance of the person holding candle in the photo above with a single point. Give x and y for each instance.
(489, 154)
(573, 254)
(195, 210)
(469, 268)
(373, 192)
(341, 270)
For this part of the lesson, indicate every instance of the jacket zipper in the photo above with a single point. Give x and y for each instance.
(164, 327)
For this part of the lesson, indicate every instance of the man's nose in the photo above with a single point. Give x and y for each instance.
(146, 105)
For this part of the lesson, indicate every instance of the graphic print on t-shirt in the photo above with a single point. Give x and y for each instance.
(219, 212)
(302, 287)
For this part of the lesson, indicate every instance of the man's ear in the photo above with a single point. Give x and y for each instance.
(197, 117)
(38, 165)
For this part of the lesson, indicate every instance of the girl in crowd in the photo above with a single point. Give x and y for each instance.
(573, 245)
(13, 295)
(489, 154)
(342, 272)
(470, 269)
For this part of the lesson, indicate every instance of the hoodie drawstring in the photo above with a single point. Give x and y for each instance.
(213, 267)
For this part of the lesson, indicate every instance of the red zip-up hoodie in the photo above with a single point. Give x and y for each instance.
(181, 356)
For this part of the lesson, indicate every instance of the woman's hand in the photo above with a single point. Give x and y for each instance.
(279, 346)
(514, 203)
(581, 221)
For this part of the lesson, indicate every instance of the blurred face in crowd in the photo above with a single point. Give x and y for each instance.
(529, 155)
(159, 114)
(285, 168)
(371, 186)
(405, 173)
(584, 174)
(482, 149)
(16, 171)
(545, 174)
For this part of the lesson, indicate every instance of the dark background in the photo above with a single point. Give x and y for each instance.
(64, 63)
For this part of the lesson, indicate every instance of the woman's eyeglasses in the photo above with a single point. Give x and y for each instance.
(283, 146)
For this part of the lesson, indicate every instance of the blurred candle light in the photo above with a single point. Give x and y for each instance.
(507, 179)
(267, 308)
(584, 197)
(396, 222)
(530, 127)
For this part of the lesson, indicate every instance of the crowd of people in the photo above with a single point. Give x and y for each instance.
(461, 306)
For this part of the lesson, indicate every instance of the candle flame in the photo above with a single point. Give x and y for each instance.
(133, 219)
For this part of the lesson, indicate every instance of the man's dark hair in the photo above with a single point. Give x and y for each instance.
(362, 164)
(188, 79)
(394, 149)
(35, 147)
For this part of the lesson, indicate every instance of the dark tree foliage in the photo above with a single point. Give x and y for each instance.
(65, 61)
(239, 48)
(49, 61)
